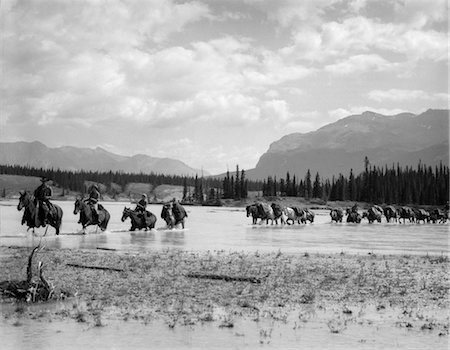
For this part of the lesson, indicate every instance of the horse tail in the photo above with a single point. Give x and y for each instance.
(104, 224)
(58, 218)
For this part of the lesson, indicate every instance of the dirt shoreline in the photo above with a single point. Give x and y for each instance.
(186, 288)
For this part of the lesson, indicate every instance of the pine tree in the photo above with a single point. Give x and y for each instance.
(237, 185)
(317, 187)
(308, 186)
(185, 189)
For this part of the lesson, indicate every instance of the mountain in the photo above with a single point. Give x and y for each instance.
(38, 155)
(338, 147)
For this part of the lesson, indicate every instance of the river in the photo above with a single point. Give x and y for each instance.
(220, 228)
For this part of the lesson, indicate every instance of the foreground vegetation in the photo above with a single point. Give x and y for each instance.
(185, 288)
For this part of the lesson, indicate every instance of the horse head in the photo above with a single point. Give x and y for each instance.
(249, 210)
(77, 206)
(24, 200)
(126, 213)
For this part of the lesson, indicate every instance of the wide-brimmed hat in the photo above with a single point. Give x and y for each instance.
(44, 179)
(144, 195)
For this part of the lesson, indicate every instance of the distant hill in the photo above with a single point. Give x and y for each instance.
(36, 154)
(338, 147)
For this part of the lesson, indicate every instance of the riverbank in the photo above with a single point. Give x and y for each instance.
(189, 288)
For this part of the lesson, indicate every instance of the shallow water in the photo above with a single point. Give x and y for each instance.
(301, 328)
(218, 228)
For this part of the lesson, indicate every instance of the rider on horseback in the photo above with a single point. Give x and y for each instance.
(94, 196)
(141, 207)
(142, 204)
(42, 195)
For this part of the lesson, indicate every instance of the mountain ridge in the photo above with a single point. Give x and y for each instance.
(337, 147)
(38, 155)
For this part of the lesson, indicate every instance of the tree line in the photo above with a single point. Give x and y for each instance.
(397, 185)
(195, 189)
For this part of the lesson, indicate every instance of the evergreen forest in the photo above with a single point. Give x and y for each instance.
(424, 185)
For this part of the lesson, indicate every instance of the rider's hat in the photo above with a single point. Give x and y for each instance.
(144, 195)
(44, 179)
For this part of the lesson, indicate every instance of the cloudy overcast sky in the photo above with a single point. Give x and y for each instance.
(212, 82)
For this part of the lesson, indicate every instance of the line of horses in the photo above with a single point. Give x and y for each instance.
(275, 212)
(290, 215)
(391, 214)
(172, 213)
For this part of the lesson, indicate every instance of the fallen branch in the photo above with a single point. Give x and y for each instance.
(95, 267)
(27, 289)
(224, 277)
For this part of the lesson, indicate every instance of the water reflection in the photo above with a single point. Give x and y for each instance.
(173, 238)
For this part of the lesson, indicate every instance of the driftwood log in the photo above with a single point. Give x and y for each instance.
(28, 290)
(95, 267)
(224, 277)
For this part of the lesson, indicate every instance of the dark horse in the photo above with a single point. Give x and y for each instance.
(353, 216)
(86, 218)
(173, 214)
(31, 217)
(139, 220)
(252, 210)
(336, 215)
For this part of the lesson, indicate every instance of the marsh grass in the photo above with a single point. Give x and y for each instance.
(154, 284)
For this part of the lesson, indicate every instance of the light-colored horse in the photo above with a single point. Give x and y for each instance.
(292, 216)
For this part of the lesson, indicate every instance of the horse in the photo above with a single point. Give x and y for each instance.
(277, 212)
(291, 215)
(309, 215)
(139, 220)
(301, 214)
(252, 210)
(421, 215)
(372, 214)
(438, 215)
(336, 215)
(353, 217)
(173, 214)
(406, 213)
(86, 215)
(31, 217)
(390, 213)
(265, 211)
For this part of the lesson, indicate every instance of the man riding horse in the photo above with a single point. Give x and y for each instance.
(141, 208)
(42, 196)
(94, 196)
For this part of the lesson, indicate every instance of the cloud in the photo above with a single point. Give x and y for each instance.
(398, 95)
(360, 64)
(247, 68)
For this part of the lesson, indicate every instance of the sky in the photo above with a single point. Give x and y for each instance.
(212, 82)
